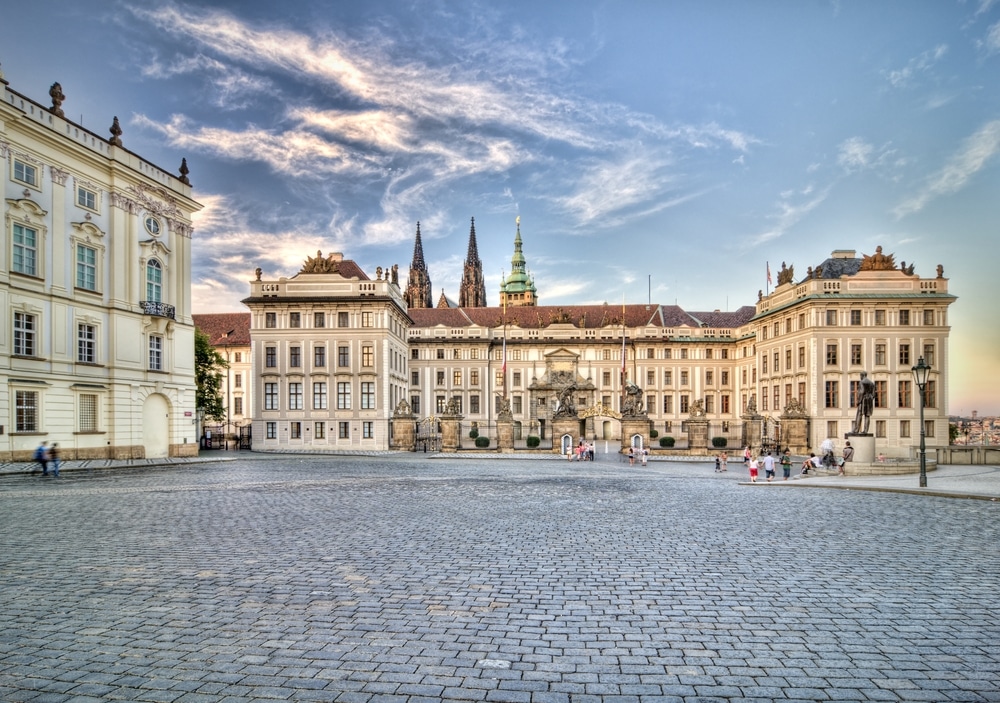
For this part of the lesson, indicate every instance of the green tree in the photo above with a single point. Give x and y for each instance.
(208, 368)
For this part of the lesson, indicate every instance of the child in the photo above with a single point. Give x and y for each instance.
(753, 469)
(786, 465)
(718, 464)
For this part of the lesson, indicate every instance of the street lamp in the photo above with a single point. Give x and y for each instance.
(920, 372)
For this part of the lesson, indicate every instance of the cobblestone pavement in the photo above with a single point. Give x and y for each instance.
(389, 579)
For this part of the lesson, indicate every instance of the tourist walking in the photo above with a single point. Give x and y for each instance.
(746, 455)
(54, 459)
(645, 455)
(42, 457)
(752, 463)
(725, 459)
(786, 465)
(718, 463)
(769, 467)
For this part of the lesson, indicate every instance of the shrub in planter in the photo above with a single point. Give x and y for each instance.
(666, 441)
(482, 442)
(653, 434)
(719, 442)
(473, 433)
(533, 441)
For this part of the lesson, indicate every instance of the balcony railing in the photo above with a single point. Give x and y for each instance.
(150, 307)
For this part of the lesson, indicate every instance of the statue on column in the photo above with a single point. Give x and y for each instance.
(866, 403)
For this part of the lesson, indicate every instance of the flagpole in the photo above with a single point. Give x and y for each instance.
(503, 368)
(624, 372)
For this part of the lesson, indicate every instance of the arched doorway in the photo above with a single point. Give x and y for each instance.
(156, 426)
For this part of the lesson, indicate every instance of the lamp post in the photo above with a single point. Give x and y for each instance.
(920, 372)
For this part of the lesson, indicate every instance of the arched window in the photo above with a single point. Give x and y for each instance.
(154, 281)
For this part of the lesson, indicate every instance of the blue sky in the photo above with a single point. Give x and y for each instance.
(657, 149)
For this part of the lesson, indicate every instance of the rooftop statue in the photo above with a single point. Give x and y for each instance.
(877, 261)
(318, 264)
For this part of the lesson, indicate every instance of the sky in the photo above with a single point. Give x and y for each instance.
(665, 151)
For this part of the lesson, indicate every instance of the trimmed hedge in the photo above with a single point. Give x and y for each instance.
(653, 434)
(719, 442)
(473, 433)
(533, 441)
(482, 442)
(667, 441)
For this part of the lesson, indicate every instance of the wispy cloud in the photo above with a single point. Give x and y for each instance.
(990, 44)
(920, 64)
(791, 209)
(966, 163)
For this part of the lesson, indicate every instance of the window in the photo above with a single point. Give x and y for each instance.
(776, 396)
(367, 319)
(906, 394)
(708, 353)
(667, 353)
(668, 403)
(154, 281)
(24, 334)
(368, 356)
(415, 404)
(684, 353)
(904, 319)
(777, 361)
(831, 354)
(777, 328)
(473, 353)
(25, 173)
(343, 319)
(904, 354)
(880, 317)
(516, 354)
(880, 354)
(474, 377)
(650, 378)
(238, 405)
(319, 395)
(724, 378)
(295, 430)
(295, 357)
(271, 430)
(831, 428)
(930, 395)
(724, 404)
(343, 356)
(456, 378)
(270, 357)
(319, 320)
(516, 379)
(856, 354)
(237, 357)
(343, 395)
(684, 379)
(606, 378)
(668, 378)
(440, 378)
(498, 379)
(270, 396)
(788, 360)
(929, 354)
(88, 412)
(368, 395)
(516, 405)
(86, 267)
(831, 318)
(86, 344)
(414, 353)
(928, 317)
(763, 398)
(880, 428)
(319, 430)
(709, 403)
(928, 428)
(368, 429)
(709, 378)
(831, 394)
(294, 396)
(270, 320)
(881, 395)
(904, 428)
(855, 317)
(439, 353)
(685, 403)
(802, 392)
(852, 393)
(414, 378)
(606, 354)
(319, 356)
(474, 404)
(25, 252)
(344, 430)
(26, 411)
(802, 356)
(725, 353)
(155, 352)
(86, 198)
(294, 319)
(439, 403)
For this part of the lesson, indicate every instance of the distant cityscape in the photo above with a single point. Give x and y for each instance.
(976, 430)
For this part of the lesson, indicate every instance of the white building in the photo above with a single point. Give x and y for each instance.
(96, 337)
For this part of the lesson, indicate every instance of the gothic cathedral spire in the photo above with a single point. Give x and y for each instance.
(418, 285)
(472, 293)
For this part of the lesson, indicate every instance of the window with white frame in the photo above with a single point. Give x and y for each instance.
(344, 430)
(294, 396)
(368, 356)
(155, 352)
(271, 396)
(86, 267)
(368, 429)
(319, 395)
(87, 413)
(25, 173)
(319, 430)
(24, 256)
(367, 395)
(154, 281)
(26, 411)
(271, 430)
(24, 334)
(295, 430)
(86, 344)
(367, 319)
(86, 198)
(343, 395)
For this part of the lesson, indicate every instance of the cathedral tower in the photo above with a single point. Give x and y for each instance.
(472, 294)
(518, 289)
(418, 285)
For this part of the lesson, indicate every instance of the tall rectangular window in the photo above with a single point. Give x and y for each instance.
(906, 394)
(802, 356)
(270, 357)
(368, 356)
(724, 403)
(344, 430)
(155, 352)
(831, 354)
(25, 251)
(86, 344)
(831, 395)
(295, 396)
(880, 427)
(343, 356)
(855, 317)
(295, 430)
(456, 379)
(928, 317)
(881, 394)
(880, 354)
(904, 318)
(831, 318)
(684, 379)
(26, 411)
(319, 357)
(319, 430)
(368, 429)
(904, 354)
(24, 334)
(668, 403)
(930, 395)
(368, 395)
(270, 396)
(154, 281)
(343, 395)
(343, 319)
(709, 378)
(271, 430)
(855, 354)
(88, 413)
(474, 404)
(415, 404)
(685, 403)
(270, 320)
(86, 267)
(367, 319)
(904, 428)
(880, 317)
(474, 377)
(415, 377)
(238, 405)
(709, 403)
(929, 354)
(294, 319)
(295, 357)
(319, 319)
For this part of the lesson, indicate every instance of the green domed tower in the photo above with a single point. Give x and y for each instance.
(518, 289)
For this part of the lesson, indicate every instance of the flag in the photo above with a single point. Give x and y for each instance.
(768, 273)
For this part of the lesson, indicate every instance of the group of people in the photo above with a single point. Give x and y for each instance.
(754, 462)
(47, 456)
(584, 451)
(642, 453)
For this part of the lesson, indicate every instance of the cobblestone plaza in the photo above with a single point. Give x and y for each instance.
(407, 579)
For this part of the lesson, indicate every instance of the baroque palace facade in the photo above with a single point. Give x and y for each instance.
(97, 347)
(336, 354)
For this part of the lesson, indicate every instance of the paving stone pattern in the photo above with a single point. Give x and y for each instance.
(392, 579)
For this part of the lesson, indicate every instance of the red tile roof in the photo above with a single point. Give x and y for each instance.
(225, 328)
